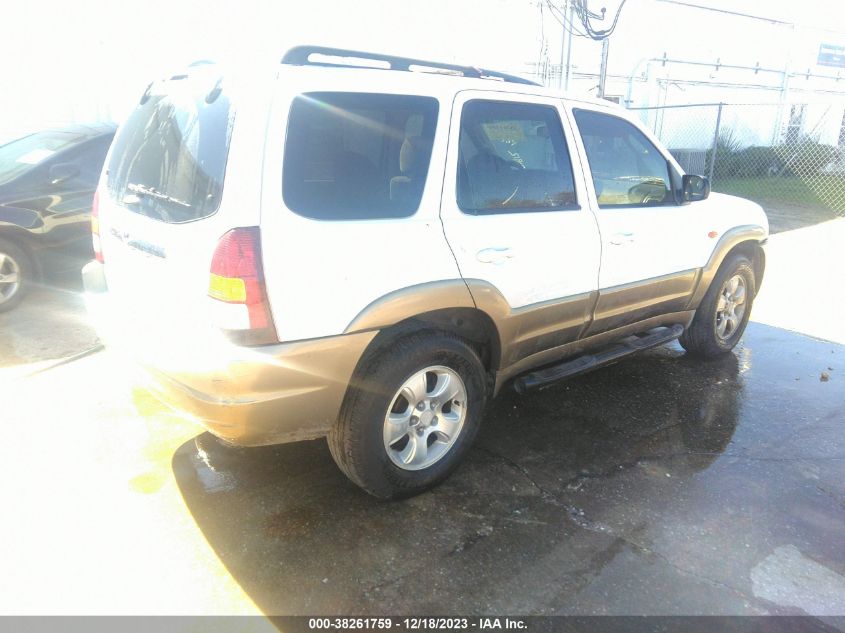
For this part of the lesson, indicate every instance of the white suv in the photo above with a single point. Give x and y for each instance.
(371, 253)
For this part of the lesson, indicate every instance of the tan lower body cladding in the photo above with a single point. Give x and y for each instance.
(546, 332)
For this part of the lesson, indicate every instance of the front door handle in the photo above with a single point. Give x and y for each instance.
(495, 255)
(620, 239)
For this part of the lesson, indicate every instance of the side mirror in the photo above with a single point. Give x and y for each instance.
(62, 172)
(695, 187)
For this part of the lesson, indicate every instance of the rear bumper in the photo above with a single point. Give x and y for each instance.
(248, 396)
(268, 395)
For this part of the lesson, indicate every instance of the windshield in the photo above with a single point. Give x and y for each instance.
(169, 158)
(20, 156)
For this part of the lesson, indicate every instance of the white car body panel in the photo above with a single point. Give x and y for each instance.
(545, 255)
(641, 243)
(321, 274)
(164, 299)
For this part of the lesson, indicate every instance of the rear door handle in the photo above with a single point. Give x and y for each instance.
(620, 239)
(495, 255)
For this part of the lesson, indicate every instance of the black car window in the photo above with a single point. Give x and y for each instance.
(513, 158)
(628, 170)
(353, 156)
(90, 159)
(25, 154)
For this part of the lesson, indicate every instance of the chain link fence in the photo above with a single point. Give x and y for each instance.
(790, 158)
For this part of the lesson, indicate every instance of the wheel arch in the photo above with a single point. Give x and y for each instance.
(444, 306)
(747, 240)
(755, 252)
(471, 324)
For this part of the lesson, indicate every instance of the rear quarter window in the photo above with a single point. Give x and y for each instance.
(169, 157)
(357, 156)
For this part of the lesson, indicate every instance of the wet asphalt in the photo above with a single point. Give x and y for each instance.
(659, 485)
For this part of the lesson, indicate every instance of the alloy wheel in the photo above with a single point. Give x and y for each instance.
(731, 307)
(10, 277)
(425, 417)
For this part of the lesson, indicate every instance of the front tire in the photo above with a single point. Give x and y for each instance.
(16, 274)
(721, 318)
(410, 415)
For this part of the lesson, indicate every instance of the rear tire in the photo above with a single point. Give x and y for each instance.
(410, 415)
(721, 318)
(16, 274)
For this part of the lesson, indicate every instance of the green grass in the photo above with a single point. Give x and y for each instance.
(822, 192)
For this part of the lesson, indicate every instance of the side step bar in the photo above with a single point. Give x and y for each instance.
(594, 360)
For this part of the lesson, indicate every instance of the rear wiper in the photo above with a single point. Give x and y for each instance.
(152, 193)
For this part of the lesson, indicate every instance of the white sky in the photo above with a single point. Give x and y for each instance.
(89, 58)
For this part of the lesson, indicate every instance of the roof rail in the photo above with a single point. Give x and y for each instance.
(301, 56)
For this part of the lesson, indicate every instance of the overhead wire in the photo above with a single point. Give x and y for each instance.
(564, 21)
(586, 16)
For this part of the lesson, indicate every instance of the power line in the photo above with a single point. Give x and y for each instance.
(805, 25)
(586, 16)
(726, 11)
(561, 19)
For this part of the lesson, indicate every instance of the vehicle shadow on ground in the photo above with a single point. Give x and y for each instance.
(511, 531)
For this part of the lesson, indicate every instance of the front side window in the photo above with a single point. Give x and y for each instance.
(627, 168)
(354, 156)
(513, 158)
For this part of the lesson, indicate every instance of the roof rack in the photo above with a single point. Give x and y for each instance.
(301, 56)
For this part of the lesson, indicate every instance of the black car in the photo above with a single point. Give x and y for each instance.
(47, 183)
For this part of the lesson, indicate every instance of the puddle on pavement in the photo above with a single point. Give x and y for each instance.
(790, 579)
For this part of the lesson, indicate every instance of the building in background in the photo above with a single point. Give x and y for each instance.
(674, 52)
(750, 94)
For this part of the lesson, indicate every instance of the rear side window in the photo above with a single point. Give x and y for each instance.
(357, 156)
(513, 158)
(170, 156)
(628, 170)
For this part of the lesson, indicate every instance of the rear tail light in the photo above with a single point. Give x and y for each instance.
(95, 227)
(237, 288)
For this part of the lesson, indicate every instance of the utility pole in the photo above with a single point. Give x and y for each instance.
(563, 39)
(586, 16)
(569, 43)
(566, 38)
(605, 45)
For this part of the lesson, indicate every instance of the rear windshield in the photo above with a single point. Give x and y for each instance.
(169, 158)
